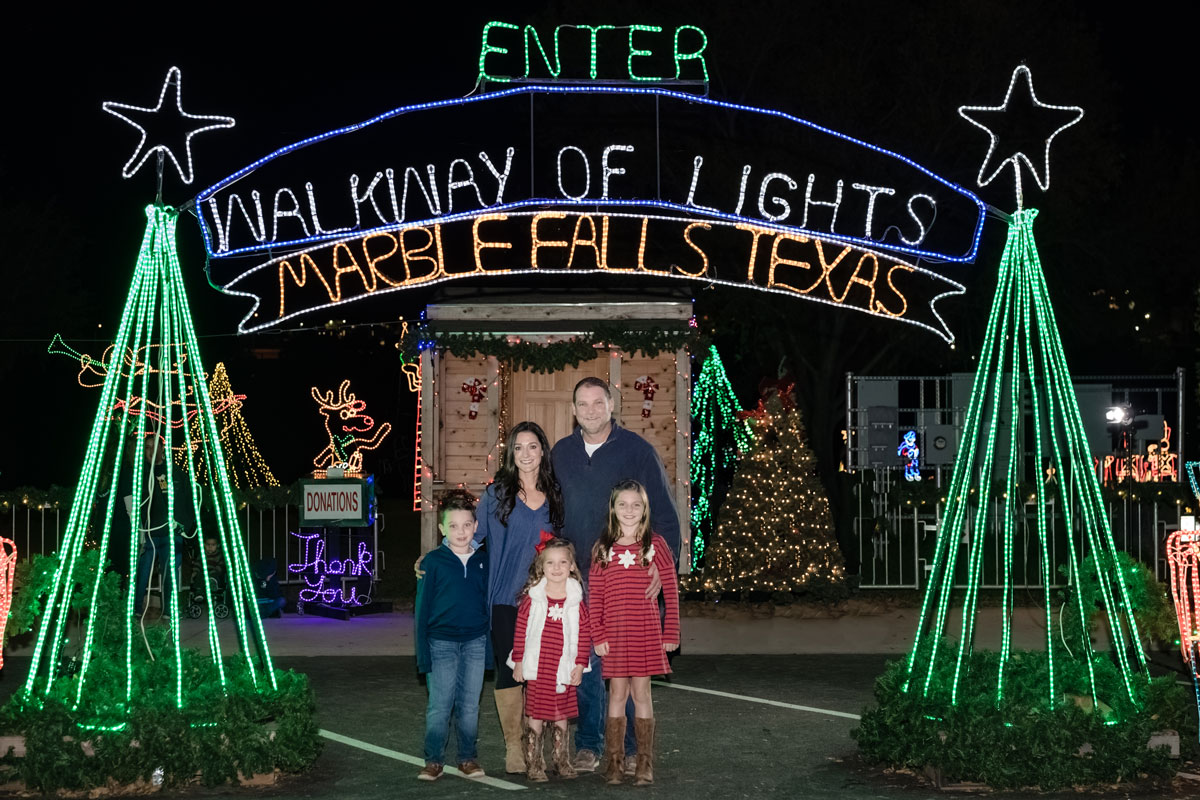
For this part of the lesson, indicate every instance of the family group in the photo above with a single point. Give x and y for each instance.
(562, 576)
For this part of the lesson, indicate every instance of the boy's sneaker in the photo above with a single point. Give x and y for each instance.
(586, 761)
(630, 765)
(431, 772)
(471, 769)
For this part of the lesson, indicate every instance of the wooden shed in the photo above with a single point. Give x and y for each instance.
(471, 402)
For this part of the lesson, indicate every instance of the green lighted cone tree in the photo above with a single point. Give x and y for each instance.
(775, 533)
(721, 438)
(1022, 358)
(1066, 714)
(126, 680)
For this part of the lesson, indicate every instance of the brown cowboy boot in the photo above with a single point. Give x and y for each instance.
(510, 705)
(643, 729)
(535, 763)
(614, 749)
(560, 749)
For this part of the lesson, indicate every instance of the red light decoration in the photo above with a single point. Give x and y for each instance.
(8, 568)
(1183, 558)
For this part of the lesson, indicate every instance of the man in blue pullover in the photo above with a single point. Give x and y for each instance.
(452, 624)
(598, 455)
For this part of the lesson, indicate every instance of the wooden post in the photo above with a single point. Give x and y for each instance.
(683, 456)
(431, 423)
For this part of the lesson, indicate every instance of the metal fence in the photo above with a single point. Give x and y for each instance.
(267, 533)
(896, 547)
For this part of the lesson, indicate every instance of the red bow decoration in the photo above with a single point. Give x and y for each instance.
(546, 536)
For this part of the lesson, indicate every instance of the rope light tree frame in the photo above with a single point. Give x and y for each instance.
(953, 688)
(122, 670)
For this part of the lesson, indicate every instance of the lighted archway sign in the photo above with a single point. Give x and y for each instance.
(588, 179)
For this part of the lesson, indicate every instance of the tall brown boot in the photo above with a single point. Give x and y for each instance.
(614, 749)
(643, 729)
(560, 749)
(535, 762)
(510, 706)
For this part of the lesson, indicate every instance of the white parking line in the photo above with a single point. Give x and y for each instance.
(757, 700)
(419, 762)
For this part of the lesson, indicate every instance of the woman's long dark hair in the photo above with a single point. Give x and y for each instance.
(508, 477)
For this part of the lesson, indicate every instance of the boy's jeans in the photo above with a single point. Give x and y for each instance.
(455, 681)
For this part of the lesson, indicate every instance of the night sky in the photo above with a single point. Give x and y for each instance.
(1113, 230)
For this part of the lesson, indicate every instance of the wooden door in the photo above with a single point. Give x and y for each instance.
(546, 398)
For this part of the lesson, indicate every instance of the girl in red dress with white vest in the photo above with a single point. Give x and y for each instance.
(551, 646)
(626, 627)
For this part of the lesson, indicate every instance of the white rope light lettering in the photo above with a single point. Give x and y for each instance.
(835, 203)
(896, 220)
(777, 200)
(605, 169)
(587, 173)
(872, 193)
(141, 153)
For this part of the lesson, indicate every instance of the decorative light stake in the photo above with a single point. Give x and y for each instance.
(141, 152)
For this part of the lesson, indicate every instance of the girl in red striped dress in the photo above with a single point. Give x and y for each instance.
(626, 628)
(551, 646)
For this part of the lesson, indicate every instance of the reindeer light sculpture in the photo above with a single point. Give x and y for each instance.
(351, 432)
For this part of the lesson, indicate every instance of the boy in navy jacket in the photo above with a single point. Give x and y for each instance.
(452, 625)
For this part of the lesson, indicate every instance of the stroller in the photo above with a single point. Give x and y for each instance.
(197, 597)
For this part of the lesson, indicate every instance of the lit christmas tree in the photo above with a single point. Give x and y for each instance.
(243, 461)
(113, 660)
(1007, 716)
(721, 437)
(775, 531)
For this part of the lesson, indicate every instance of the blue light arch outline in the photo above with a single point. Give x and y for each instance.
(968, 257)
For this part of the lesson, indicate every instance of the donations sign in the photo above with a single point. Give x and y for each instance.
(335, 502)
(587, 178)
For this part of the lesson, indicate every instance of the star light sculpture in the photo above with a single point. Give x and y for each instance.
(1063, 117)
(141, 153)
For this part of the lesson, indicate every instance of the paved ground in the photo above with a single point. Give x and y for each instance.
(774, 725)
(728, 745)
